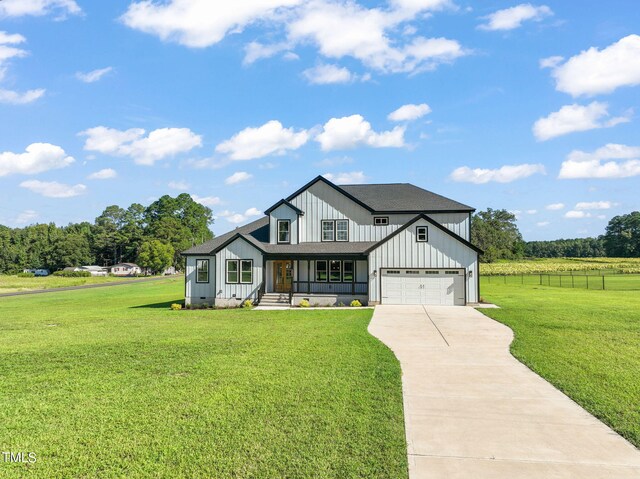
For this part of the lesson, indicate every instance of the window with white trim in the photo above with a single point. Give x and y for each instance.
(321, 271)
(284, 231)
(422, 234)
(342, 230)
(328, 230)
(202, 271)
(232, 271)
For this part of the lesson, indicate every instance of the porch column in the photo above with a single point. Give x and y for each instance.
(308, 276)
(355, 277)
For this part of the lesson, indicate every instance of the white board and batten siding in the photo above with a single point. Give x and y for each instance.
(238, 249)
(321, 202)
(196, 293)
(283, 212)
(441, 251)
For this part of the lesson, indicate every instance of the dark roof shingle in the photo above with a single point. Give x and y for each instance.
(395, 197)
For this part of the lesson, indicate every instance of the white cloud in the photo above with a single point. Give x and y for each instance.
(410, 112)
(610, 161)
(353, 178)
(94, 75)
(38, 157)
(158, 145)
(505, 174)
(595, 205)
(18, 8)
(573, 214)
(551, 62)
(572, 118)
(26, 216)
(324, 74)
(532, 212)
(555, 206)
(337, 28)
(237, 218)
(16, 98)
(8, 51)
(53, 189)
(207, 200)
(511, 18)
(353, 131)
(268, 139)
(199, 23)
(594, 71)
(179, 185)
(542, 224)
(238, 177)
(348, 29)
(104, 174)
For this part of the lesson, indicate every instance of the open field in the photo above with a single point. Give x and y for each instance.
(557, 265)
(585, 342)
(579, 279)
(12, 284)
(111, 383)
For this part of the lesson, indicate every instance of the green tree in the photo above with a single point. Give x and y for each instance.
(496, 233)
(155, 255)
(108, 239)
(622, 236)
(180, 221)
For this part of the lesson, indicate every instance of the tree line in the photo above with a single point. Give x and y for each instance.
(497, 234)
(151, 236)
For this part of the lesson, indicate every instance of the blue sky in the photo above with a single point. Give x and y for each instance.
(531, 107)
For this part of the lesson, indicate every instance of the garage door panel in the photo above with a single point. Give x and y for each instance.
(423, 287)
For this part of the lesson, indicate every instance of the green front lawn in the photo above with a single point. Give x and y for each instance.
(13, 283)
(110, 383)
(585, 342)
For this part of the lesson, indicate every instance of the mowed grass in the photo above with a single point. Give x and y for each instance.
(111, 383)
(585, 342)
(12, 283)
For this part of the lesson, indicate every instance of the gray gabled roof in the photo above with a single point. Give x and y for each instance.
(403, 197)
(256, 228)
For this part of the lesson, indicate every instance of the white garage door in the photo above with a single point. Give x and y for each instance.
(423, 286)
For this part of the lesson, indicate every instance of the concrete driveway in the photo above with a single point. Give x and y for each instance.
(474, 411)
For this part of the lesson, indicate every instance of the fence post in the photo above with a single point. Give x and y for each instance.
(587, 280)
(505, 279)
(522, 278)
(540, 279)
(560, 280)
(572, 281)
(603, 282)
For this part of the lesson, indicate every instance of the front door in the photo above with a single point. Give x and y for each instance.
(282, 276)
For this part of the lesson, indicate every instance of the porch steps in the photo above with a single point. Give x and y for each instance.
(275, 300)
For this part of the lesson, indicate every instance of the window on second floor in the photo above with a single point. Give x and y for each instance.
(335, 230)
(328, 230)
(284, 231)
(422, 234)
(380, 220)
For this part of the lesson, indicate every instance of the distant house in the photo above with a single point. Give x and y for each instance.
(94, 270)
(125, 269)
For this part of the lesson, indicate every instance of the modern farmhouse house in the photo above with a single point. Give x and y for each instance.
(330, 244)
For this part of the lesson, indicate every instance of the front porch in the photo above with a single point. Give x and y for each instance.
(322, 280)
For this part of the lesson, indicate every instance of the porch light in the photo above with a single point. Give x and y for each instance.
(375, 273)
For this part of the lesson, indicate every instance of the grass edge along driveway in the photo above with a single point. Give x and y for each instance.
(110, 383)
(584, 342)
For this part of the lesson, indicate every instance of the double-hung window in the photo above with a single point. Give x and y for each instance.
(328, 230)
(335, 271)
(342, 230)
(202, 271)
(422, 234)
(284, 231)
(321, 271)
(347, 271)
(240, 271)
